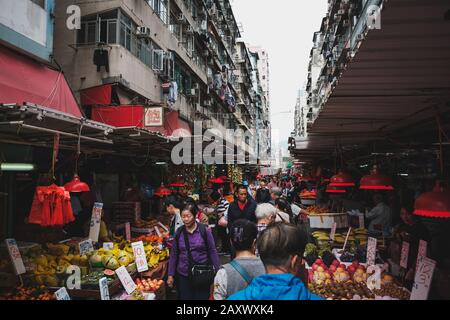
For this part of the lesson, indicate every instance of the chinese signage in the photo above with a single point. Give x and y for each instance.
(96, 220)
(16, 257)
(154, 117)
(422, 280)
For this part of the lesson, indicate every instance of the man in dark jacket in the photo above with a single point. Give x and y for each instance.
(243, 208)
(263, 193)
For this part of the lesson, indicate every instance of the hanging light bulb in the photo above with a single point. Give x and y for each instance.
(342, 179)
(435, 204)
(376, 181)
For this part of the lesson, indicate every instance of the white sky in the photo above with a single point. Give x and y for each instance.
(284, 28)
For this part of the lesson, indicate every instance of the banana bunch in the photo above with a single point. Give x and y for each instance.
(321, 235)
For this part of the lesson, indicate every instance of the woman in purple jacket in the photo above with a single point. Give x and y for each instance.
(203, 251)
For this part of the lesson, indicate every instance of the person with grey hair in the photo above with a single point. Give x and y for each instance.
(265, 215)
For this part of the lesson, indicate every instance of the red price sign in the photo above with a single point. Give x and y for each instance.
(423, 278)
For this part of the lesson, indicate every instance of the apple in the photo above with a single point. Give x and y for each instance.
(335, 263)
(355, 263)
(339, 270)
(320, 269)
(319, 262)
(315, 266)
(351, 269)
(343, 266)
(360, 267)
(333, 268)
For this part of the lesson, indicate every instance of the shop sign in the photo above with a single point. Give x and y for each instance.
(139, 256)
(126, 280)
(423, 278)
(96, 220)
(104, 290)
(62, 294)
(333, 231)
(404, 255)
(371, 251)
(154, 117)
(15, 256)
(86, 246)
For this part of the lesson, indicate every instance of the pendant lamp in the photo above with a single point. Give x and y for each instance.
(76, 185)
(179, 183)
(335, 190)
(342, 179)
(163, 191)
(376, 181)
(216, 181)
(435, 204)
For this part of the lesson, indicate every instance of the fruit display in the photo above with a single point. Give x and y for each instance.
(149, 285)
(317, 210)
(391, 290)
(338, 272)
(93, 278)
(357, 235)
(341, 291)
(22, 293)
(321, 236)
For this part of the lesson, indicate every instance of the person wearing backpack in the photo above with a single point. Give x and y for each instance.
(193, 260)
(239, 273)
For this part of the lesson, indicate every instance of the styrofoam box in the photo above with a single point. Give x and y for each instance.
(326, 220)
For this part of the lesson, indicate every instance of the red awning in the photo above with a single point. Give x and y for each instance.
(25, 80)
(174, 126)
(96, 96)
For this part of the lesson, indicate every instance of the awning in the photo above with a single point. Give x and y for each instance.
(96, 96)
(25, 80)
(174, 126)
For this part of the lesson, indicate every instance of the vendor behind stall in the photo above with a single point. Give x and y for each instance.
(380, 216)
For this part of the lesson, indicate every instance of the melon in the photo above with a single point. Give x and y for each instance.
(124, 260)
(109, 273)
(96, 261)
(110, 262)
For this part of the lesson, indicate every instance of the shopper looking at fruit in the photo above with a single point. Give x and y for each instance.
(380, 215)
(281, 248)
(239, 273)
(173, 209)
(284, 213)
(193, 259)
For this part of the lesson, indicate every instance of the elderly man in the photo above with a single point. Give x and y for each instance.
(275, 194)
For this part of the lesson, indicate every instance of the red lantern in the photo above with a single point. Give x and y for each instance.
(376, 181)
(163, 191)
(335, 190)
(342, 179)
(435, 204)
(76, 185)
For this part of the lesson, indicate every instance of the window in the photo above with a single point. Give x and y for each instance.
(158, 59)
(87, 33)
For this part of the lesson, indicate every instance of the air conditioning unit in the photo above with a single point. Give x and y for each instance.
(182, 19)
(192, 93)
(190, 30)
(143, 32)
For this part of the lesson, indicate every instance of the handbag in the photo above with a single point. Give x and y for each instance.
(201, 275)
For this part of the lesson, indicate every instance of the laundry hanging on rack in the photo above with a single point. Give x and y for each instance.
(51, 207)
(101, 59)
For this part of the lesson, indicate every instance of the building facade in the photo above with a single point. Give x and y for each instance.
(159, 59)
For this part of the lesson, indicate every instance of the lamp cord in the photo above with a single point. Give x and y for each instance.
(78, 148)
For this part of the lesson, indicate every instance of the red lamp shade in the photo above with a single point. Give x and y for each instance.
(435, 204)
(342, 179)
(376, 181)
(163, 192)
(179, 183)
(216, 181)
(335, 190)
(76, 185)
(224, 178)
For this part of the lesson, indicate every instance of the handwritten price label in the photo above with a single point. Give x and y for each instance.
(62, 294)
(371, 251)
(127, 231)
(86, 246)
(422, 252)
(423, 278)
(15, 256)
(333, 231)
(126, 280)
(139, 256)
(96, 220)
(404, 255)
(104, 290)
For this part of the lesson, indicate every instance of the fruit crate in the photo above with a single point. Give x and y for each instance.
(326, 220)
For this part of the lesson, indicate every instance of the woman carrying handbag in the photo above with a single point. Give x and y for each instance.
(193, 259)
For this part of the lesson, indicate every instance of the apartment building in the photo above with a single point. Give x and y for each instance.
(154, 61)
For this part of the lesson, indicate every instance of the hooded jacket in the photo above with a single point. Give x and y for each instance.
(275, 287)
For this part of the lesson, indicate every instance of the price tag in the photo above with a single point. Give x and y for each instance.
(104, 290)
(371, 251)
(96, 220)
(108, 245)
(423, 278)
(422, 252)
(139, 256)
(126, 280)
(346, 238)
(333, 231)
(127, 231)
(86, 246)
(15, 256)
(361, 221)
(62, 294)
(404, 255)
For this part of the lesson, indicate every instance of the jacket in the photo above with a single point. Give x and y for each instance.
(235, 213)
(275, 287)
(262, 195)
